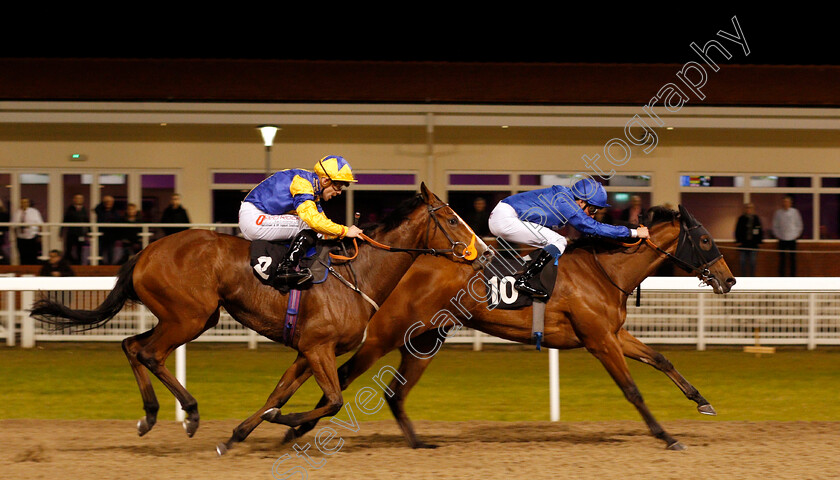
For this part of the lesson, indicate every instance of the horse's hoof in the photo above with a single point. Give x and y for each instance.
(676, 446)
(706, 409)
(425, 445)
(143, 426)
(221, 449)
(190, 426)
(270, 415)
(291, 434)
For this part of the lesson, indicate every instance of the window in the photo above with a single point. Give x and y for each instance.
(829, 216)
(473, 195)
(374, 196)
(156, 191)
(717, 201)
(465, 188)
(766, 205)
(718, 212)
(711, 181)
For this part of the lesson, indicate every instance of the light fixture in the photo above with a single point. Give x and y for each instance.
(268, 132)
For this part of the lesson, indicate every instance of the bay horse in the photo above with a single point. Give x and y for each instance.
(587, 309)
(186, 278)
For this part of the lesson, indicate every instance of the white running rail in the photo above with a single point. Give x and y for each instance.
(674, 310)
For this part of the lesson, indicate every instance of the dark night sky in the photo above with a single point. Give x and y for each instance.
(645, 33)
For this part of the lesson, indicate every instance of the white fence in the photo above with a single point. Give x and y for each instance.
(50, 237)
(674, 310)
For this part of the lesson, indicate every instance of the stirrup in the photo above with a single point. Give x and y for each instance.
(522, 285)
(290, 277)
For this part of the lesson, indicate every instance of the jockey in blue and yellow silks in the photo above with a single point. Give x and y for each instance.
(287, 205)
(529, 217)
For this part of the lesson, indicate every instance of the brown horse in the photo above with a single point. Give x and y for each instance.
(186, 278)
(587, 309)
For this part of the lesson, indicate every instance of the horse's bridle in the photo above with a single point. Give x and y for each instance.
(467, 252)
(701, 271)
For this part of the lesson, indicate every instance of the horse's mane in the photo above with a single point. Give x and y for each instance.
(660, 214)
(396, 217)
(653, 216)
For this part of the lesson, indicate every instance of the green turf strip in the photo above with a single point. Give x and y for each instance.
(94, 381)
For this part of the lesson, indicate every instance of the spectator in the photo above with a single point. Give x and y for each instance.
(4, 234)
(174, 213)
(130, 237)
(56, 266)
(28, 243)
(632, 215)
(748, 235)
(787, 227)
(106, 213)
(479, 217)
(75, 237)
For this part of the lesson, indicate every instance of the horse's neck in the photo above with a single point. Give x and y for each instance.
(379, 270)
(629, 269)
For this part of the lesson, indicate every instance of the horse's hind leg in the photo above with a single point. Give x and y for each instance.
(171, 332)
(291, 380)
(635, 349)
(131, 346)
(607, 349)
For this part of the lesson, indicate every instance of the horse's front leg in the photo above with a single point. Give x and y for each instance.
(291, 380)
(373, 348)
(635, 349)
(411, 369)
(606, 348)
(322, 363)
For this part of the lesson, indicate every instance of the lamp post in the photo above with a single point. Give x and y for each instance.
(268, 132)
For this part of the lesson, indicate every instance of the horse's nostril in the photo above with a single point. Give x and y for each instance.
(730, 281)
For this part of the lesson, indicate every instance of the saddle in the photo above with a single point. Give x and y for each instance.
(502, 273)
(267, 255)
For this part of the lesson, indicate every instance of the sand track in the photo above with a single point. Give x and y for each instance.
(102, 450)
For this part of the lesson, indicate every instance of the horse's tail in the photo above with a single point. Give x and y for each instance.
(60, 316)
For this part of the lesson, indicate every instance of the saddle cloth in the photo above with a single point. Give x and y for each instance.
(267, 255)
(502, 273)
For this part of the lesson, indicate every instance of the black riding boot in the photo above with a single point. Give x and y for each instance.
(286, 273)
(532, 270)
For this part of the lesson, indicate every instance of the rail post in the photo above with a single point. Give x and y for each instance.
(27, 323)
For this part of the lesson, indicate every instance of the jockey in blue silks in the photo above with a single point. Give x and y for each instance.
(528, 218)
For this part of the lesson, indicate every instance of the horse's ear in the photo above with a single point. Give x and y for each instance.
(687, 217)
(428, 196)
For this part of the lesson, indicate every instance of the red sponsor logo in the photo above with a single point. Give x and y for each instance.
(260, 219)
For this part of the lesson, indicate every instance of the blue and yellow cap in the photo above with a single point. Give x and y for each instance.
(335, 168)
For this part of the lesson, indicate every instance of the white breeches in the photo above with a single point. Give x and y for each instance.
(505, 223)
(257, 225)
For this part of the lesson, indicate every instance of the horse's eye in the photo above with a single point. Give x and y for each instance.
(453, 222)
(705, 242)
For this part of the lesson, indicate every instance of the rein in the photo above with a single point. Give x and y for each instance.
(465, 249)
(701, 271)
